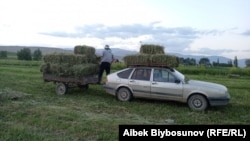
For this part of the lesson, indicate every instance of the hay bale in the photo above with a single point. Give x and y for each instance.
(66, 69)
(137, 59)
(92, 59)
(151, 49)
(164, 60)
(83, 62)
(65, 64)
(151, 55)
(57, 69)
(84, 70)
(52, 58)
(84, 49)
(72, 59)
(151, 60)
(44, 68)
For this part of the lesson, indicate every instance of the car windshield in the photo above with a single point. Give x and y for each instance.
(180, 75)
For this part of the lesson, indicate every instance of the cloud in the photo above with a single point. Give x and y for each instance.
(174, 39)
(246, 33)
(207, 51)
(247, 50)
(126, 31)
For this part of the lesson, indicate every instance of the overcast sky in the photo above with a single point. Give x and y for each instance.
(204, 27)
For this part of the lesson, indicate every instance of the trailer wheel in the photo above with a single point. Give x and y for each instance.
(61, 88)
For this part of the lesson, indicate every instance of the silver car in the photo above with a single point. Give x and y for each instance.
(165, 83)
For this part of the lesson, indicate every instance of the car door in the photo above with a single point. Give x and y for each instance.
(140, 82)
(164, 85)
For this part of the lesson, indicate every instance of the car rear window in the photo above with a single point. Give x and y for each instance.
(141, 74)
(124, 74)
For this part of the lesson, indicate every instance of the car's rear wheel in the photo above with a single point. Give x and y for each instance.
(124, 94)
(197, 102)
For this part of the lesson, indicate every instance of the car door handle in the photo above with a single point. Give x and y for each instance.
(131, 81)
(153, 83)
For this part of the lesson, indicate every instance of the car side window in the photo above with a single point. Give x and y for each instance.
(161, 75)
(157, 75)
(171, 78)
(125, 74)
(141, 74)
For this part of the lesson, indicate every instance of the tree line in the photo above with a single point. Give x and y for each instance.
(206, 62)
(24, 54)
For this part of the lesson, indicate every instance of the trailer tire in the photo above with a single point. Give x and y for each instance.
(61, 88)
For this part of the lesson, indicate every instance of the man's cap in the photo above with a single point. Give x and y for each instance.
(106, 46)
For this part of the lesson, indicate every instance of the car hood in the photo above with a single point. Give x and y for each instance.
(207, 84)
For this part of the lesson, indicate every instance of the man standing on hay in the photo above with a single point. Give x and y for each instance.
(107, 58)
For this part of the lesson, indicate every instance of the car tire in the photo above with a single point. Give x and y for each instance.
(124, 94)
(197, 102)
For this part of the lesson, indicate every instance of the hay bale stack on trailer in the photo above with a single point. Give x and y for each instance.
(69, 65)
(151, 55)
(68, 69)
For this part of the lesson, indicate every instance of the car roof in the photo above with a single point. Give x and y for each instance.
(151, 66)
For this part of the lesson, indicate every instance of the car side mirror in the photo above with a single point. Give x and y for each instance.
(177, 81)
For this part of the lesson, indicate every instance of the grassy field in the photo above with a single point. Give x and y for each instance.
(30, 109)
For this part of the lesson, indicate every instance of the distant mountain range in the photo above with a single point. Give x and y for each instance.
(119, 53)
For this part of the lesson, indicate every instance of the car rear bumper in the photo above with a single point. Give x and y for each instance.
(108, 89)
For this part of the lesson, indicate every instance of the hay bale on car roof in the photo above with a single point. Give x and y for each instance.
(151, 49)
(137, 59)
(151, 55)
(164, 60)
(151, 60)
(84, 49)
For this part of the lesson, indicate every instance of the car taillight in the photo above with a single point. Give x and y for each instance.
(106, 80)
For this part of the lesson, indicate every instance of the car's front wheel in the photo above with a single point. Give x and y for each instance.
(124, 94)
(198, 102)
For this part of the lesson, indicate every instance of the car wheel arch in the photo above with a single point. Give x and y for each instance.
(197, 93)
(117, 90)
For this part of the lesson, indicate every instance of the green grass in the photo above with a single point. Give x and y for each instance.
(30, 109)
(16, 62)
